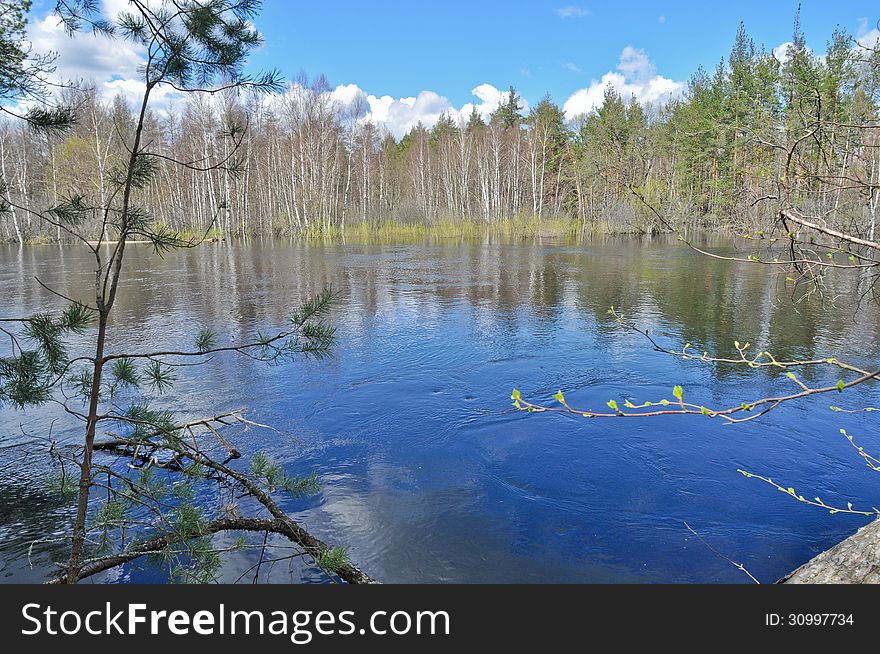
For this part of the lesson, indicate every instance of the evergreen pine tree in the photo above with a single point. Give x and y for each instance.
(194, 47)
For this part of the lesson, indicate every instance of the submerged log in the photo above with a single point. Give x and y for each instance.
(855, 560)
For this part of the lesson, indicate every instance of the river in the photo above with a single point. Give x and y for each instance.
(428, 473)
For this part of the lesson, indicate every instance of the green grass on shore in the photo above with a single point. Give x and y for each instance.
(442, 229)
(391, 231)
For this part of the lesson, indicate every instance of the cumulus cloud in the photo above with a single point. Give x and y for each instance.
(87, 56)
(112, 8)
(635, 64)
(399, 115)
(572, 11)
(163, 99)
(781, 51)
(868, 38)
(489, 99)
(636, 75)
(115, 65)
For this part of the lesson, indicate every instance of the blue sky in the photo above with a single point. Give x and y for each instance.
(409, 62)
(400, 48)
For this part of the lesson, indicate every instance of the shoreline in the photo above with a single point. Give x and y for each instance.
(413, 233)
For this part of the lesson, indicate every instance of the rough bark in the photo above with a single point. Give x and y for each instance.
(855, 560)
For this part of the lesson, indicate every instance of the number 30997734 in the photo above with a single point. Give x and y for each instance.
(808, 620)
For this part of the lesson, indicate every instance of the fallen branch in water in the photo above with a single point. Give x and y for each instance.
(287, 528)
(144, 450)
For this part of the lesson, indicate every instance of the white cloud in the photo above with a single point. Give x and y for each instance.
(86, 56)
(661, 20)
(400, 115)
(112, 8)
(490, 98)
(570, 65)
(781, 51)
(352, 98)
(163, 99)
(636, 75)
(113, 64)
(572, 11)
(634, 64)
(867, 38)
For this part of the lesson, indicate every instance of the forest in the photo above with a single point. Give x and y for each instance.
(296, 162)
(379, 410)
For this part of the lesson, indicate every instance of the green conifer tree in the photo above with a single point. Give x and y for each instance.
(194, 47)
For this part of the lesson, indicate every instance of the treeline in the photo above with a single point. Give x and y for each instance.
(299, 162)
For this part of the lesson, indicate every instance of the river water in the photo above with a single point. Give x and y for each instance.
(428, 473)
